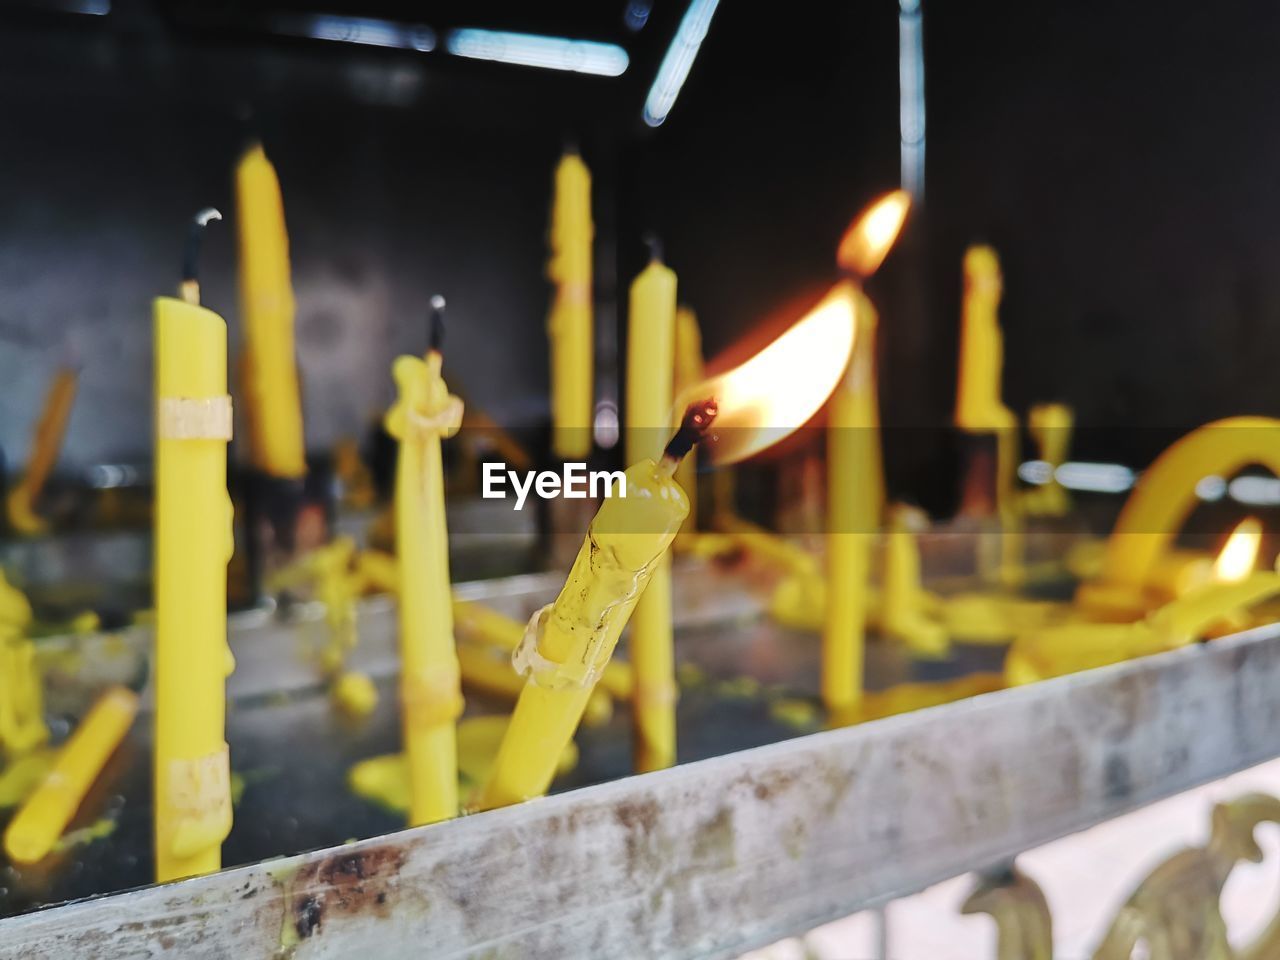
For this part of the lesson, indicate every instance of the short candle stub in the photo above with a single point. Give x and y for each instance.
(696, 424)
(435, 332)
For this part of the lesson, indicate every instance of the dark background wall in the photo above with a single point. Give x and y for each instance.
(1122, 157)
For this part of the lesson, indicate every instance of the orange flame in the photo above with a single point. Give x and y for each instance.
(1239, 553)
(870, 237)
(774, 392)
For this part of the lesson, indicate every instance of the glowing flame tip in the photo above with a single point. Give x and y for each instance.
(1239, 553)
(871, 235)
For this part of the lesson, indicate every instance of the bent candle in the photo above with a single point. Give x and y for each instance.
(570, 641)
(430, 691)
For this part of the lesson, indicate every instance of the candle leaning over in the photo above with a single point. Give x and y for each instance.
(569, 642)
(430, 689)
(46, 441)
(193, 545)
(40, 821)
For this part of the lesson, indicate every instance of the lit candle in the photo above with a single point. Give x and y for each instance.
(46, 441)
(1160, 502)
(570, 641)
(192, 547)
(651, 329)
(1069, 648)
(38, 824)
(266, 312)
(431, 697)
(570, 323)
(855, 482)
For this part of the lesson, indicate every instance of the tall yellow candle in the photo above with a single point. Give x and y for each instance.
(979, 407)
(569, 325)
(193, 544)
(430, 688)
(571, 640)
(651, 330)
(266, 311)
(38, 824)
(853, 514)
(22, 726)
(46, 441)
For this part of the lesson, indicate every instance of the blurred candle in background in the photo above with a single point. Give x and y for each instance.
(274, 417)
(651, 331)
(46, 442)
(569, 326)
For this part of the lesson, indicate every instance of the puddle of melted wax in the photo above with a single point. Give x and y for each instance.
(385, 779)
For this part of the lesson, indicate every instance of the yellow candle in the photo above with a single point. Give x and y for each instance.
(903, 600)
(853, 498)
(979, 408)
(192, 547)
(689, 370)
(1050, 426)
(650, 372)
(39, 823)
(431, 696)
(266, 311)
(570, 323)
(575, 636)
(45, 444)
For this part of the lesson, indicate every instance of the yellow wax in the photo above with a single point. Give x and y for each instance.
(855, 496)
(481, 624)
(45, 444)
(22, 726)
(569, 325)
(40, 821)
(979, 407)
(903, 600)
(430, 689)
(577, 634)
(768, 546)
(1050, 426)
(1066, 649)
(193, 544)
(266, 312)
(689, 370)
(651, 331)
(1166, 494)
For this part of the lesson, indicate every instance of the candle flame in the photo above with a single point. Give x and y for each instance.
(774, 392)
(1239, 553)
(870, 237)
